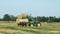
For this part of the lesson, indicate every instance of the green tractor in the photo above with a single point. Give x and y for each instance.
(33, 22)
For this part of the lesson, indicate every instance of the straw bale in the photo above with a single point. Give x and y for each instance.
(23, 15)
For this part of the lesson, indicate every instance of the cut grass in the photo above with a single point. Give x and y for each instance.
(46, 28)
(4, 32)
(27, 30)
(17, 33)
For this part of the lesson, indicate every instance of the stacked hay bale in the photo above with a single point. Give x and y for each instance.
(22, 18)
(23, 15)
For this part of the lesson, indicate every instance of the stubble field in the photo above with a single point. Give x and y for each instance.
(12, 28)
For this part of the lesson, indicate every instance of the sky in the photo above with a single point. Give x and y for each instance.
(33, 7)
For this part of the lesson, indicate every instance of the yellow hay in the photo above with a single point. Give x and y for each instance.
(23, 15)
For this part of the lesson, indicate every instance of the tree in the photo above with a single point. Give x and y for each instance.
(42, 19)
(13, 18)
(6, 17)
(51, 19)
(1, 19)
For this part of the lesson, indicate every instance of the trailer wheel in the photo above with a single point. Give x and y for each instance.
(29, 24)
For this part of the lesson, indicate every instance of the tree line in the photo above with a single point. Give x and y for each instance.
(51, 19)
(48, 19)
(8, 17)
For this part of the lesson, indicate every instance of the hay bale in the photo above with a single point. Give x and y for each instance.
(23, 15)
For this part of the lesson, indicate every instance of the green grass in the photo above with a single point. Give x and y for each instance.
(17, 33)
(35, 32)
(44, 29)
(4, 32)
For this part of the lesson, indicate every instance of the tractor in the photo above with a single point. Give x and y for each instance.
(33, 22)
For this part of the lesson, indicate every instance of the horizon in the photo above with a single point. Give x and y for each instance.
(34, 7)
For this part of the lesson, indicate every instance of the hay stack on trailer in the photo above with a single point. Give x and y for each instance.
(23, 15)
(25, 20)
(22, 19)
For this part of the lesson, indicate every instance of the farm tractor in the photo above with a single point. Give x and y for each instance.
(28, 21)
(33, 22)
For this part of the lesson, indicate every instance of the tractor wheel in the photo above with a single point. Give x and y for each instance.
(31, 25)
(39, 24)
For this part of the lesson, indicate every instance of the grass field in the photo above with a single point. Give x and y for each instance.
(12, 28)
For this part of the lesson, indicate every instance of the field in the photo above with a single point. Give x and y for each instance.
(12, 28)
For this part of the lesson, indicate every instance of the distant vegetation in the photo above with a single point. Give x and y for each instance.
(41, 19)
(8, 17)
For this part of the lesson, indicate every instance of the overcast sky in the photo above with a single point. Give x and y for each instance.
(34, 7)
